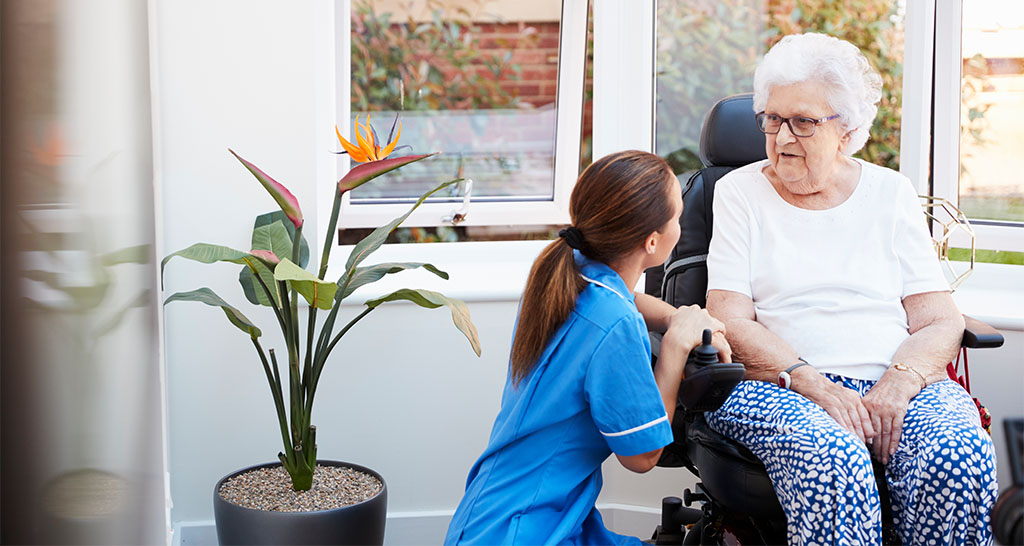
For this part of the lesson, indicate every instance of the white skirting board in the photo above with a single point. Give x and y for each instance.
(419, 528)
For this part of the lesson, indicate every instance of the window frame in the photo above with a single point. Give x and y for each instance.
(989, 234)
(513, 211)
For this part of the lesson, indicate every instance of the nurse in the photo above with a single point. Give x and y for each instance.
(580, 385)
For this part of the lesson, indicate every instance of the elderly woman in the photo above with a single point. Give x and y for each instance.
(823, 272)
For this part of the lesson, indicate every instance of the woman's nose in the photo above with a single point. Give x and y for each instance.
(785, 135)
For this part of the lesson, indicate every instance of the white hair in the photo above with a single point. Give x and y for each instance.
(854, 87)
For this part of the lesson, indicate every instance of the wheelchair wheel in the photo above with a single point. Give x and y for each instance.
(693, 534)
(728, 532)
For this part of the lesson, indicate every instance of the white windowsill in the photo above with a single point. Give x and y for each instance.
(994, 293)
(479, 271)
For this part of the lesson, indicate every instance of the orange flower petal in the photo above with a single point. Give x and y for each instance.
(369, 136)
(354, 152)
(363, 145)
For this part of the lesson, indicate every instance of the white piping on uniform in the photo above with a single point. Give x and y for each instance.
(635, 429)
(601, 284)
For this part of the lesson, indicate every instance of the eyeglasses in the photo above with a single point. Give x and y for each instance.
(771, 124)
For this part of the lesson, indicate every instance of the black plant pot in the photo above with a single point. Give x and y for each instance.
(361, 523)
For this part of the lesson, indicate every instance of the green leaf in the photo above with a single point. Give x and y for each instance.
(376, 238)
(317, 293)
(288, 203)
(373, 273)
(278, 216)
(252, 289)
(207, 296)
(208, 254)
(363, 173)
(433, 300)
(273, 238)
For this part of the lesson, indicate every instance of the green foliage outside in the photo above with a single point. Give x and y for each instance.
(706, 50)
(709, 49)
(987, 256)
(433, 65)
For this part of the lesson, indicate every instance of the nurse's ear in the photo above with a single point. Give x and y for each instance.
(651, 242)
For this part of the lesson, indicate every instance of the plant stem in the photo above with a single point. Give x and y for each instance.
(332, 228)
(290, 457)
(328, 328)
(322, 358)
(307, 371)
(337, 338)
(311, 458)
(273, 302)
(275, 390)
(294, 352)
(293, 368)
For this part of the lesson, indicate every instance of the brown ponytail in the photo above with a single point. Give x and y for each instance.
(617, 202)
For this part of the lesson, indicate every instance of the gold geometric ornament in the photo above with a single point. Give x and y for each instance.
(945, 220)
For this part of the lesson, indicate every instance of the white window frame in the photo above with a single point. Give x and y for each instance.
(915, 117)
(569, 116)
(946, 158)
(624, 52)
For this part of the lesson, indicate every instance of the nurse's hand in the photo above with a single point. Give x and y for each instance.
(686, 328)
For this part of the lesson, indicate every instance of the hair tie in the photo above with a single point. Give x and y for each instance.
(573, 237)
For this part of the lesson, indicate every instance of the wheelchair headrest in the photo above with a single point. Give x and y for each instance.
(730, 137)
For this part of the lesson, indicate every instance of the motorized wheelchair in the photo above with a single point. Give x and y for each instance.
(737, 502)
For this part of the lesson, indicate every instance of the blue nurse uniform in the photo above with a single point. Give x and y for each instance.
(591, 393)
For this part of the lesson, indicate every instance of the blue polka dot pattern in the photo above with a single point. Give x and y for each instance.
(942, 478)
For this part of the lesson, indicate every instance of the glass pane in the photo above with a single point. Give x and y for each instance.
(992, 110)
(475, 80)
(708, 49)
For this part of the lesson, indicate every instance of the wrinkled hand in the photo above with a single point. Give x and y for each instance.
(887, 404)
(842, 404)
(687, 325)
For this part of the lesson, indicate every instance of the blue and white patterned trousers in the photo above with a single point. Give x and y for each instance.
(942, 478)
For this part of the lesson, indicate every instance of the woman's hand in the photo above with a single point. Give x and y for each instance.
(686, 328)
(842, 404)
(887, 404)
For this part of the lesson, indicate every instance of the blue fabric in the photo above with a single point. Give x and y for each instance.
(591, 393)
(942, 478)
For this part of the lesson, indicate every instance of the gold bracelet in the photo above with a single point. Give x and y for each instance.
(907, 368)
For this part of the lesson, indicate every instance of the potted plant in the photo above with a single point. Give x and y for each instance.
(274, 275)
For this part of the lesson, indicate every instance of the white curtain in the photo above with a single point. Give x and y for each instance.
(83, 456)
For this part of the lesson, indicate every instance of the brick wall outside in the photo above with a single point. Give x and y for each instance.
(531, 46)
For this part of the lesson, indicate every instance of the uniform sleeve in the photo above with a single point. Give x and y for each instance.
(919, 263)
(729, 253)
(624, 400)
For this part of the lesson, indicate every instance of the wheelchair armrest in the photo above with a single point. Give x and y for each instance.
(978, 335)
(655, 343)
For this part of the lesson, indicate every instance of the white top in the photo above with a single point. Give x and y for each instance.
(828, 282)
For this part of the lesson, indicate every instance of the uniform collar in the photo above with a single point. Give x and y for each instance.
(599, 274)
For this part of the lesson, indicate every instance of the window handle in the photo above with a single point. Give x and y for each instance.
(455, 217)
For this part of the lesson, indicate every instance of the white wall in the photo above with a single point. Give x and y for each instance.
(404, 393)
(233, 74)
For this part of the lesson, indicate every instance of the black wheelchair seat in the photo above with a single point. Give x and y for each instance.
(731, 474)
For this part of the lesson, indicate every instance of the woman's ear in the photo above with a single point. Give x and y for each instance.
(651, 242)
(845, 139)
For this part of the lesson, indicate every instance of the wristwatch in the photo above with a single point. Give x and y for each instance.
(785, 380)
(905, 368)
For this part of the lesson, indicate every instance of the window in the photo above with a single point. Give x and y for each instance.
(708, 50)
(979, 117)
(495, 85)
